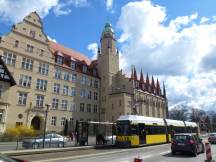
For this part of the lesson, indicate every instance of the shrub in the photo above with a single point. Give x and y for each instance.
(19, 132)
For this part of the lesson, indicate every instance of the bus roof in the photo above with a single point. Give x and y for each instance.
(175, 122)
(190, 124)
(135, 119)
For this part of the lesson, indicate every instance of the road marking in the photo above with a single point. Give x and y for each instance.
(146, 157)
(165, 152)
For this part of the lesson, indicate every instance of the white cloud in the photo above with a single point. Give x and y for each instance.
(109, 4)
(15, 10)
(93, 47)
(181, 50)
(51, 39)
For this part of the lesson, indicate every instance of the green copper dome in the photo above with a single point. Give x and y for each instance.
(108, 28)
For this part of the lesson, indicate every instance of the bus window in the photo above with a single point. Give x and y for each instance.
(123, 129)
(133, 130)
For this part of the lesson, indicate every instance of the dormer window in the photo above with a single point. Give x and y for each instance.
(30, 48)
(59, 60)
(94, 72)
(84, 69)
(32, 33)
(73, 65)
(16, 43)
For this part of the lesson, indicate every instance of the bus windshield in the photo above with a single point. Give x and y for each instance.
(123, 128)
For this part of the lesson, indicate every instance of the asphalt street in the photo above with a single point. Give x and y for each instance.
(158, 153)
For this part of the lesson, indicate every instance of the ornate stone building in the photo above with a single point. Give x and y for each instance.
(76, 87)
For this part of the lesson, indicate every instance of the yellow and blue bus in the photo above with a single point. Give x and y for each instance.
(135, 130)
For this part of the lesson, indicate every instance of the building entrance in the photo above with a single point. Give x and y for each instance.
(36, 123)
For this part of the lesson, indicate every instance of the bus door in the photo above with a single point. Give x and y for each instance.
(142, 133)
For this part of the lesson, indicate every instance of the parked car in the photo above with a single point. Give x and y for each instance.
(212, 137)
(51, 140)
(4, 158)
(187, 143)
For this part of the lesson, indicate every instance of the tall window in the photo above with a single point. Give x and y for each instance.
(58, 74)
(95, 96)
(25, 81)
(59, 60)
(65, 90)
(55, 103)
(74, 78)
(82, 93)
(22, 98)
(43, 69)
(82, 107)
(73, 91)
(63, 120)
(66, 76)
(9, 58)
(30, 48)
(41, 84)
(16, 44)
(56, 88)
(88, 108)
(73, 107)
(88, 82)
(73, 65)
(96, 84)
(94, 72)
(82, 80)
(1, 115)
(53, 120)
(27, 64)
(95, 109)
(64, 104)
(84, 69)
(89, 95)
(39, 101)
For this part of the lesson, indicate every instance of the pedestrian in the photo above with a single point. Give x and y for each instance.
(71, 135)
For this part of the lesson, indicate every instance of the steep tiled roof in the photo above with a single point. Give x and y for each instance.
(55, 47)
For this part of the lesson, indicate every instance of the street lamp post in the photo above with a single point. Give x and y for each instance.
(44, 132)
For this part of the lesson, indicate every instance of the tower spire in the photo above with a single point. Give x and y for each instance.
(141, 81)
(164, 90)
(152, 85)
(135, 74)
(158, 87)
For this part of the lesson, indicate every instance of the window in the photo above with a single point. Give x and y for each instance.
(59, 60)
(32, 33)
(96, 84)
(88, 108)
(74, 78)
(25, 81)
(94, 72)
(65, 90)
(88, 82)
(55, 103)
(84, 69)
(41, 84)
(82, 107)
(9, 58)
(27, 64)
(1, 90)
(71, 121)
(39, 101)
(53, 120)
(30, 48)
(66, 76)
(89, 95)
(56, 88)
(95, 109)
(73, 91)
(83, 80)
(64, 104)
(41, 52)
(1, 115)
(73, 107)
(16, 43)
(82, 93)
(43, 69)
(73, 65)
(58, 74)
(63, 119)
(22, 98)
(95, 96)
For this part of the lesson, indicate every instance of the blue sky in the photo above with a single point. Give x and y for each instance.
(174, 40)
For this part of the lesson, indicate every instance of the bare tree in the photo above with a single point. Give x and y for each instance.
(178, 114)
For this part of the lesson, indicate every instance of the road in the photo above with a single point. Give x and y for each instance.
(158, 153)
